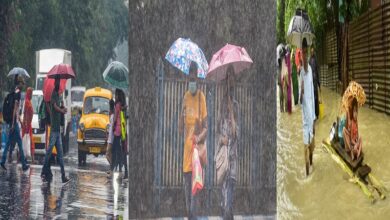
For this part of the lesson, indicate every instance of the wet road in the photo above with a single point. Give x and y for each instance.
(89, 194)
(327, 192)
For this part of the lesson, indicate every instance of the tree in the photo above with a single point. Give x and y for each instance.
(89, 29)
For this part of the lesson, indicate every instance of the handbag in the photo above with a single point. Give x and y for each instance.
(202, 145)
(222, 163)
(26, 141)
(197, 173)
(321, 106)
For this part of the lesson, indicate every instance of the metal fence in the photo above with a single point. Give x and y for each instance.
(369, 56)
(329, 74)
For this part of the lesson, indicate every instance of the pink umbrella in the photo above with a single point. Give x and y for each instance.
(228, 55)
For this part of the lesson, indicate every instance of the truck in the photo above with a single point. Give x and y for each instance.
(45, 60)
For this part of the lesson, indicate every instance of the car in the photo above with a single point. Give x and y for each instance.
(39, 135)
(94, 123)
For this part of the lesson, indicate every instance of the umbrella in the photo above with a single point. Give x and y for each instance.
(300, 28)
(228, 55)
(183, 52)
(354, 90)
(48, 88)
(18, 71)
(117, 75)
(64, 71)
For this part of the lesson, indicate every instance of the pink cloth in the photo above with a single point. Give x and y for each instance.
(117, 128)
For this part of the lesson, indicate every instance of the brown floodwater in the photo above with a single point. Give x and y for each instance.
(327, 192)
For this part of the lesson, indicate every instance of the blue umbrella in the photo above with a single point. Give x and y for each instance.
(18, 71)
(183, 52)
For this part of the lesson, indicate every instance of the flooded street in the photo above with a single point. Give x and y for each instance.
(89, 195)
(327, 193)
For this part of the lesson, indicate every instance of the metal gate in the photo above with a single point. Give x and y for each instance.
(168, 152)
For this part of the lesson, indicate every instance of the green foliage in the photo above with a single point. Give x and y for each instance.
(90, 29)
(321, 14)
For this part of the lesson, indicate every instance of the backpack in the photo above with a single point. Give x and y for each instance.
(8, 107)
(123, 125)
(43, 115)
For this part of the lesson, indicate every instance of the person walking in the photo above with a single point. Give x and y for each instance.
(110, 138)
(27, 119)
(193, 113)
(229, 136)
(308, 109)
(56, 110)
(14, 133)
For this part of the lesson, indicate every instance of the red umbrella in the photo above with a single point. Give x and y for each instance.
(64, 71)
(48, 88)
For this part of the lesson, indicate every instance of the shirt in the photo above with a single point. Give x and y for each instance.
(55, 116)
(194, 109)
(308, 109)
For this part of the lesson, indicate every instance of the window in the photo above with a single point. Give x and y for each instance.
(77, 96)
(36, 101)
(98, 105)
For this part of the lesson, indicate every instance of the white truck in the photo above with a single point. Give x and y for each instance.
(45, 60)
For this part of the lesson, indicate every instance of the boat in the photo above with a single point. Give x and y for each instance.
(358, 170)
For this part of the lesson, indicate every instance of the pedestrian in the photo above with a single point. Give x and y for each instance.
(14, 133)
(281, 52)
(56, 110)
(110, 138)
(27, 119)
(117, 157)
(124, 135)
(229, 136)
(316, 79)
(194, 112)
(308, 109)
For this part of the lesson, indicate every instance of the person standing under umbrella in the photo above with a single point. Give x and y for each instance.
(308, 109)
(316, 78)
(229, 136)
(14, 133)
(194, 111)
(55, 135)
(117, 153)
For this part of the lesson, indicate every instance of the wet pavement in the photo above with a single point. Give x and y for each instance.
(89, 195)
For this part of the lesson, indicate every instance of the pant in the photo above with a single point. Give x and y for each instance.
(190, 199)
(316, 103)
(124, 162)
(55, 139)
(228, 195)
(14, 137)
(117, 156)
